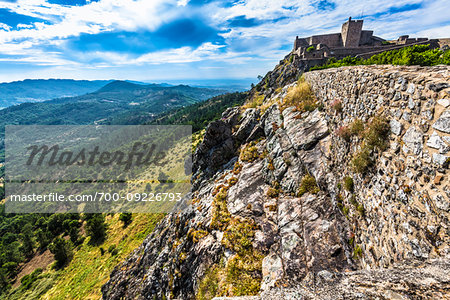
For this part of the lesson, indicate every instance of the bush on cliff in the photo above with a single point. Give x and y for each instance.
(300, 96)
(374, 137)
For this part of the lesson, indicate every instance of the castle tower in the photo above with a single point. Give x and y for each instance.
(351, 32)
(296, 44)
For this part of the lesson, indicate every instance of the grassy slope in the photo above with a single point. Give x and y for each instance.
(89, 270)
(83, 277)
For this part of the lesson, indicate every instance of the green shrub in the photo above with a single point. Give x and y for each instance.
(255, 101)
(111, 248)
(243, 270)
(377, 133)
(357, 252)
(274, 190)
(349, 184)
(96, 227)
(197, 235)
(125, 218)
(337, 105)
(272, 193)
(310, 49)
(220, 214)
(62, 251)
(27, 280)
(361, 210)
(114, 252)
(250, 152)
(362, 161)
(344, 133)
(376, 136)
(209, 285)
(345, 211)
(308, 185)
(357, 127)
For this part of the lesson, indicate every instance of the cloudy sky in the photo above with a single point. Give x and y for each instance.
(185, 39)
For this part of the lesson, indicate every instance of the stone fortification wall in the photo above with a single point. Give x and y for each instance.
(406, 195)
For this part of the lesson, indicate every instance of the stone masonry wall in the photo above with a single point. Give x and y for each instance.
(406, 197)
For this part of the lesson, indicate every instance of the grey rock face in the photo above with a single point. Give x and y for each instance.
(396, 127)
(413, 140)
(444, 102)
(405, 281)
(440, 159)
(392, 228)
(442, 202)
(248, 125)
(443, 123)
(436, 142)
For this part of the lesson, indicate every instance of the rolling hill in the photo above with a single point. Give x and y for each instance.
(38, 90)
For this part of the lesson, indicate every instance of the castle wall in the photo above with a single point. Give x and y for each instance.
(300, 42)
(366, 37)
(331, 40)
(407, 198)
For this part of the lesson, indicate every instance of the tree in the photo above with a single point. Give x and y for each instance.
(125, 218)
(96, 227)
(43, 238)
(27, 240)
(54, 224)
(73, 231)
(4, 282)
(62, 251)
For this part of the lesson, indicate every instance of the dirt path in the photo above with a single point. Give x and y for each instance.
(39, 260)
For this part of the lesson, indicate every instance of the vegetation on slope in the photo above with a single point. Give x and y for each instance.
(415, 55)
(200, 114)
(116, 103)
(91, 264)
(85, 247)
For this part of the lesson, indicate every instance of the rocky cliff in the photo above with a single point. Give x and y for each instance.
(332, 187)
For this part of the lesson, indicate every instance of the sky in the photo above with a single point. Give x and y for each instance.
(157, 40)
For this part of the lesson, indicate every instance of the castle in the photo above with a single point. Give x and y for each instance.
(351, 41)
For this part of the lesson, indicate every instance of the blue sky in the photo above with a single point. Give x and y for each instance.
(161, 40)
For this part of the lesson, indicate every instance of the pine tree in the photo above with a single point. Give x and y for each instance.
(96, 228)
(62, 251)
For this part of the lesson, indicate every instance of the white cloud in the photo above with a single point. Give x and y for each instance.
(5, 27)
(22, 26)
(91, 18)
(260, 43)
(437, 32)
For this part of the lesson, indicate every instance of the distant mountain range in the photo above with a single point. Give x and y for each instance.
(37, 90)
(118, 102)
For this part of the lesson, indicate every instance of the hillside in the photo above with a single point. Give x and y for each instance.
(332, 187)
(199, 115)
(26, 262)
(37, 90)
(114, 99)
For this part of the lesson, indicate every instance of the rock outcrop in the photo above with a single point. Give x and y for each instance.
(278, 209)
